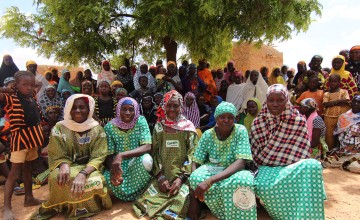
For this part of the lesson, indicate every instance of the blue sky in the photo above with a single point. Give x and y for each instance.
(338, 28)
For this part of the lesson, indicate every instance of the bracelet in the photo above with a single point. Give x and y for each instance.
(208, 182)
(161, 178)
(183, 178)
(84, 173)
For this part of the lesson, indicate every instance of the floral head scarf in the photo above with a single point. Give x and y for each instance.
(309, 103)
(225, 107)
(118, 122)
(192, 112)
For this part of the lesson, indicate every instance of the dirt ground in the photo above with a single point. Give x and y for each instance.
(342, 189)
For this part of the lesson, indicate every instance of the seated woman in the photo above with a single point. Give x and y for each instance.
(316, 128)
(288, 183)
(77, 149)
(50, 98)
(221, 181)
(129, 140)
(174, 139)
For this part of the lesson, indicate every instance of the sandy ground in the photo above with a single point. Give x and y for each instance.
(342, 188)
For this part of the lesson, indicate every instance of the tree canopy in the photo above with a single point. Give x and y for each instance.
(89, 31)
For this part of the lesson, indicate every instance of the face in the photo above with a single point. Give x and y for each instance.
(143, 82)
(214, 102)
(158, 99)
(104, 88)
(123, 71)
(182, 71)
(53, 114)
(67, 76)
(337, 63)
(65, 95)
(146, 103)
(171, 70)
(290, 73)
(8, 61)
(355, 105)
(284, 69)
(54, 72)
(225, 121)
(219, 74)
(51, 92)
(32, 68)
(303, 109)
(115, 87)
(276, 103)
(79, 111)
(276, 72)
(48, 76)
(79, 75)
(143, 69)
(238, 79)
(120, 95)
(172, 108)
(345, 54)
(230, 67)
(316, 63)
(334, 83)
(264, 72)
(189, 101)
(26, 85)
(10, 85)
(224, 85)
(46, 131)
(301, 68)
(254, 76)
(87, 88)
(127, 113)
(313, 83)
(252, 108)
(106, 66)
(152, 72)
(201, 101)
(87, 74)
(355, 55)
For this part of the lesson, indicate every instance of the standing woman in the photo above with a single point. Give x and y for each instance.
(64, 82)
(128, 163)
(221, 181)
(289, 184)
(76, 83)
(77, 150)
(106, 73)
(174, 139)
(8, 69)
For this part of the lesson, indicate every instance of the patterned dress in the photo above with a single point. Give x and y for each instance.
(136, 178)
(231, 198)
(64, 146)
(171, 156)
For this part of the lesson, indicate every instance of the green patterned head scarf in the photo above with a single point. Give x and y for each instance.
(225, 107)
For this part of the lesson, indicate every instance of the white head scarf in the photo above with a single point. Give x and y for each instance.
(71, 124)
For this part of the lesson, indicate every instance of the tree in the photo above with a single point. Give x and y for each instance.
(90, 30)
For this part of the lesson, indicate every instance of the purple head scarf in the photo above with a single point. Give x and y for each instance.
(118, 122)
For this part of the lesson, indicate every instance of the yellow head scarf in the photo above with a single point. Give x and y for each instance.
(342, 72)
(116, 82)
(30, 62)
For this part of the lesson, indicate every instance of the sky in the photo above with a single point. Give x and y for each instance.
(338, 28)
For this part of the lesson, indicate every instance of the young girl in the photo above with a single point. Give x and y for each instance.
(275, 77)
(191, 109)
(253, 107)
(105, 105)
(336, 102)
(313, 92)
(26, 136)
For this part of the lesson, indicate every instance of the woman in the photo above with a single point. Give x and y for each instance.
(221, 181)
(49, 98)
(280, 149)
(126, 79)
(87, 88)
(76, 83)
(205, 75)
(316, 128)
(174, 139)
(253, 108)
(120, 93)
(8, 69)
(77, 149)
(275, 77)
(64, 82)
(148, 110)
(234, 90)
(191, 109)
(106, 73)
(129, 141)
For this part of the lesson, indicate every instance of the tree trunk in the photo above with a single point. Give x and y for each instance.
(171, 49)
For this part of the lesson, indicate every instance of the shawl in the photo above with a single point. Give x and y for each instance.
(180, 123)
(206, 76)
(342, 72)
(63, 84)
(71, 124)
(45, 102)
(105, 75)
(279, 140)
(346, 120)
(253, 91)
(118, 122)
(151, 82)
(124, 79)
(275, 80)
(234, 93)
(192, 113)
(7, 71)
(250, 118)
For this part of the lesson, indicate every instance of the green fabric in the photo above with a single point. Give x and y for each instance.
(64, 147)
(250, 118)
(171, 153)
(292, 192)
(225, 107)
(76, 89)
(136, 178)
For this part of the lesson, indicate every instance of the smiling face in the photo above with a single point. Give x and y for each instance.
(146, 102)
(276, 103)
(80, 110)
(51, 92)
(87, 88)
(127, 113)
(225, 121)
(172, 108)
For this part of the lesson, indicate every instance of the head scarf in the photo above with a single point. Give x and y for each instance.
(180, 123)
(225, 107)
(45, 101)
(63, 84)
(71, 124)
(272, 77)
(8, 80)
(279, 140)
(250, 118)
(309, 103)
(356, 47)
(316, 57)
(192, 113)
(121, 90)
(342, 72)
(116, 82)
(170, 62)
(7, 71)
(30, 62)
(124, 79)
(105, 75)
(118, 122)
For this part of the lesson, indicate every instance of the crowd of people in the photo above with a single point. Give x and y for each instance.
(176, 139)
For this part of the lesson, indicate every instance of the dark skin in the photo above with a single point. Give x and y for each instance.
(67, 76)
(171, 72)
(316, 132)
(146, 103)
(53, 116)
(158, 99)
(104, 90)
(86, 88)
(337, 63)
(252, 108)
(313, 84)
(65, 95)
(334, 82)
(276, 103)
(315, 64)
(48, 76)
(213, 102)
(32, 68)
(143, 82)
(254, 76)
(238, 79)
(189, 101)
(276, 72)
(106, 66)
(120, 95)
(127, 113)
(51, 92)
(144, 69)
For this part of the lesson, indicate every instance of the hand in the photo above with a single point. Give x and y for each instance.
(201, 190)
(164, 185)
(116, 171)
(64, 174)
(175, 187)
(78, 185)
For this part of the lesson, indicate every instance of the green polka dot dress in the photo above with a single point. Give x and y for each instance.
(231, 198)
(136, 178)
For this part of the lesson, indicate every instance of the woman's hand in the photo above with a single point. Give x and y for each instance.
(175, 187)
(78, 185)
(64, 174)
(201, 190)
(164, 185)
(116, 171)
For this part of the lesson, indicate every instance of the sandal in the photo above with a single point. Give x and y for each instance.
(19, 191)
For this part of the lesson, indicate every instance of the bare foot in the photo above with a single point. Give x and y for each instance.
(8, 215)
(32, 202)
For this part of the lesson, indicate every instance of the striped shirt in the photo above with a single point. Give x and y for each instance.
(22, 135)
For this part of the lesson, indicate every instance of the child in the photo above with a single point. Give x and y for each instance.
(336, 102)
(219, 78)
(313, 92)
(120, 93)
(138, 93)
(148, 110)
(105, 104)
(223, 89)
(158, 98)
(26, 136)
(253, 107)
(275, 77)
(49, 78)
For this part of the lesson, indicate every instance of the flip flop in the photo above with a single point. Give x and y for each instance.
(19, 191)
